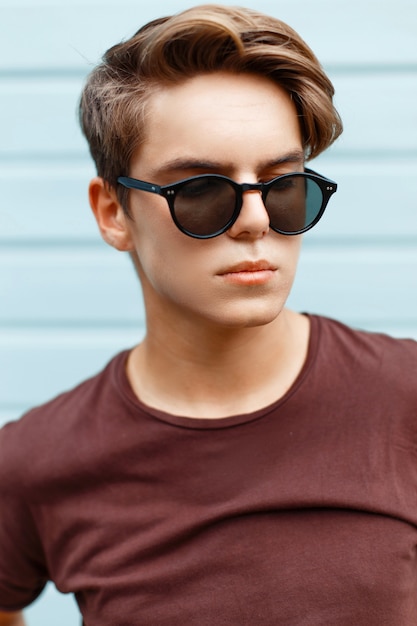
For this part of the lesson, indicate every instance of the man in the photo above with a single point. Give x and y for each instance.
(244, 464)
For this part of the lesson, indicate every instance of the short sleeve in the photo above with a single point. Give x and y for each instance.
(22, 567)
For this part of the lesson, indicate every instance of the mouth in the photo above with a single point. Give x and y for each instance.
(249, 273)
(249, 266)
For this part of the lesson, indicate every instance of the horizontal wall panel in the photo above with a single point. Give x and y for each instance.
(372, 286)
(376, 112)
(99, 287)
(10, 413)
(48, 125)
(38, 364)
(375, 109)
(59, 34)
(48, 202)
(68, 286)
(52, 606)
(375, 199)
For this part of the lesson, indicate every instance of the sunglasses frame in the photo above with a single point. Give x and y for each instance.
(328, 188)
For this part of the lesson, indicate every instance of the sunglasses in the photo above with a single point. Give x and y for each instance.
(208, 205)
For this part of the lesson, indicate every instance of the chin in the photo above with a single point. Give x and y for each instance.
(250, 318)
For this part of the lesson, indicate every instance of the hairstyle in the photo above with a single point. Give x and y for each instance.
(203, 39)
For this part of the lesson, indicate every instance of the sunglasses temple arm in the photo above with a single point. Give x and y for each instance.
(133, 183)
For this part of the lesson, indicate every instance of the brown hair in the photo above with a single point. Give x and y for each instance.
(202, 39)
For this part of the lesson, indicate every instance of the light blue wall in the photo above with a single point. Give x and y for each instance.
(67, 303)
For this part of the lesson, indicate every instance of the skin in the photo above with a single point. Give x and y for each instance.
(213, 325)
(12, 619)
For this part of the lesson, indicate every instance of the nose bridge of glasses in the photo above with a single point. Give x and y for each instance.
(253, 208)
(251, 187)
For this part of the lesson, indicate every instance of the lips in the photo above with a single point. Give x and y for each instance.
(249, 274)
(249, 266)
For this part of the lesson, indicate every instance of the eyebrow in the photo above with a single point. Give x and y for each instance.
(180, 163)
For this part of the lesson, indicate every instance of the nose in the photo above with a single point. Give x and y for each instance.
(253, 219)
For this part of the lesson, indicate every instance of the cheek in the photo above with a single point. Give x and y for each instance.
(290, 250)
(290, 256)
(178, 278)
(169, 260)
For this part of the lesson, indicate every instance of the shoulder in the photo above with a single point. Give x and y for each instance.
(376, 357)
(61, 429)
(374, 343)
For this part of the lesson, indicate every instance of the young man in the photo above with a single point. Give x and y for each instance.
(244, 464)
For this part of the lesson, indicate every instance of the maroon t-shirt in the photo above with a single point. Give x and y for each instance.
(303, 513)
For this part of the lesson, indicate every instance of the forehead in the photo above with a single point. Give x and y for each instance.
(224, 116)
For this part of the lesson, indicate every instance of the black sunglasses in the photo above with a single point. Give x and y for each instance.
(206, 206)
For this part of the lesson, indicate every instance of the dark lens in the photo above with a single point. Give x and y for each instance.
(204, 205)
(293, 203)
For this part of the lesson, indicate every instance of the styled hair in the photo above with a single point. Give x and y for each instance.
(203, 39)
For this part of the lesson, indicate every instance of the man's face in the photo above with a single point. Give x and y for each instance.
(242, 126)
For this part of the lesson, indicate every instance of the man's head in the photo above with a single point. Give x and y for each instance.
(201, 40)
(235, 101)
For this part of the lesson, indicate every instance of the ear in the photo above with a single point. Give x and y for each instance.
(110, 217)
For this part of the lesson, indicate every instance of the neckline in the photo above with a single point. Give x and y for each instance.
(124, 388)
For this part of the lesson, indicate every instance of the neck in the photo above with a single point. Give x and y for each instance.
(215, 372)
